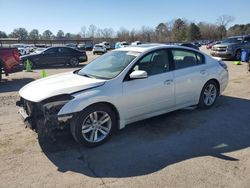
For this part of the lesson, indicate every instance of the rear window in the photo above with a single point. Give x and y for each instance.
(185, 58)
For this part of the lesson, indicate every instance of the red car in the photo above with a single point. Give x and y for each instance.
(9, 61)
(211, 44)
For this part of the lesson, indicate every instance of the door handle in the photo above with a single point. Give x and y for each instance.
(203, 71)
(168, 82)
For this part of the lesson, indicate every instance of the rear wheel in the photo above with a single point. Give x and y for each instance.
(74, 61)
(94, 126)
(208, 94)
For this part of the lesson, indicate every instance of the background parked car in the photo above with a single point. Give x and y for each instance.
(136, 43)
(124, 44)
(22, 48)
(81, 47)
(231, 47)
(190, 45)
(9, 61)
(107, 45)
(99, 48)
(56, 55)
(211, 44)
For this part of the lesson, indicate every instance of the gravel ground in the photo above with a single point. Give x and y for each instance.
(185, 148)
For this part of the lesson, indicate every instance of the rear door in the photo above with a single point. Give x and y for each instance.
(189, 75)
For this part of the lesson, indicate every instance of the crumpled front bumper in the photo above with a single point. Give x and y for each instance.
(36, 117)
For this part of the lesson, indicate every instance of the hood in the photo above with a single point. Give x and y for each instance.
(65, 83)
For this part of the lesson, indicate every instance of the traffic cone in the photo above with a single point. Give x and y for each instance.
(28, 66)
(44, 74)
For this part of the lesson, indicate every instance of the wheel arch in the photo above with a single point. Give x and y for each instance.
(112, 106)
(216, 81)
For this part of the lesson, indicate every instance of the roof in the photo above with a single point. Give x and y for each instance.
(141, 48)
(151, 46)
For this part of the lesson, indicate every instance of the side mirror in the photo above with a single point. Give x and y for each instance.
(138, 74)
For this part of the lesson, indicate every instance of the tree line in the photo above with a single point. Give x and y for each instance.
(178, 30)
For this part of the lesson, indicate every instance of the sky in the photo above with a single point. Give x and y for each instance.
(72, 15)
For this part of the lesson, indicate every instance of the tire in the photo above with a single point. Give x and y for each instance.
(89, 121)
(74, 62)
(238, 55)
(209, 94)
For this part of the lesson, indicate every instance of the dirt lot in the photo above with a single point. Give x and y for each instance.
(186, 148)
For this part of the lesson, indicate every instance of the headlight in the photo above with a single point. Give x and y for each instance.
(54, 104)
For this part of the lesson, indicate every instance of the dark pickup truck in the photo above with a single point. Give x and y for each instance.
(231, 47)
(9, 61)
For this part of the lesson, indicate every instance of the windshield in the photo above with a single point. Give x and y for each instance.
(108, 65)
(232, 40)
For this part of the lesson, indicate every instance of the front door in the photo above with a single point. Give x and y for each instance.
(153, 94)
(50, 56)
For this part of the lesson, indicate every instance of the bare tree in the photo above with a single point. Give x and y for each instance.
(224, 20)
(92, 30)
(83, 31)
(107, 32)
(123, 34)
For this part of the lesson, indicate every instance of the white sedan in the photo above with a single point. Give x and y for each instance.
(123, 86)
(99, 48)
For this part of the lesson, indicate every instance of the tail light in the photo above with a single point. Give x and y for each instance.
(223, 64)
(16, 54)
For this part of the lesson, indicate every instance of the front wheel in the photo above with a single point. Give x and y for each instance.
(94, 125)
(208, 95)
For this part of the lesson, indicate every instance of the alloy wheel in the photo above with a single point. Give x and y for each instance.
(96, 126)
(210, 94)
(74, 62)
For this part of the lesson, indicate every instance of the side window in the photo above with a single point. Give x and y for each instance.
(185, 58)
(154, 63)
(200, 58)
(51, 51)
(64, 50)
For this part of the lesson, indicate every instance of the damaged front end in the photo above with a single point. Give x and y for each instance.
(43, 116)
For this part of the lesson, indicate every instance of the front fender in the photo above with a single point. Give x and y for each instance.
(85, 99)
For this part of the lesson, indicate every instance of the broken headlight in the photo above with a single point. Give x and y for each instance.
(54, 104)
